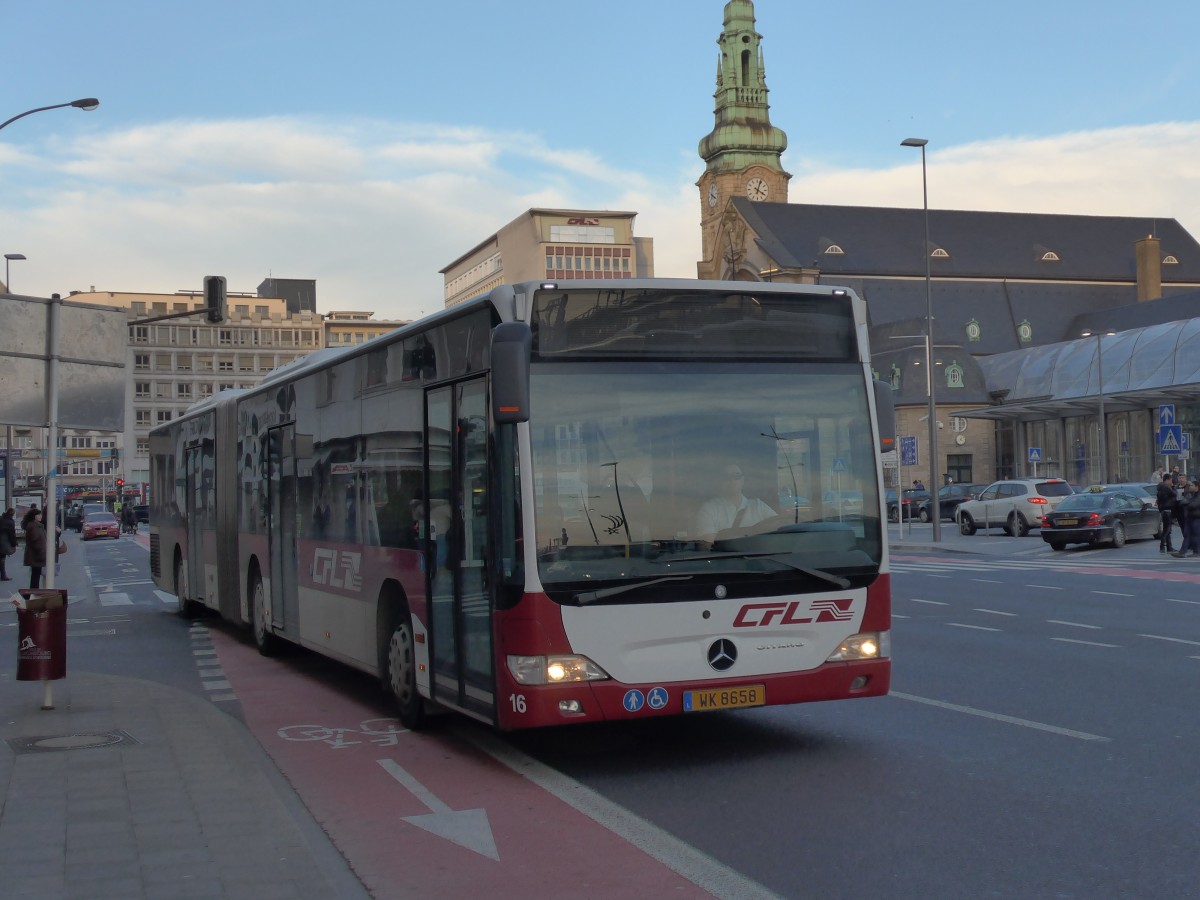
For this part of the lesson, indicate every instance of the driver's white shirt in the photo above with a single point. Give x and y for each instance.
(718, 514)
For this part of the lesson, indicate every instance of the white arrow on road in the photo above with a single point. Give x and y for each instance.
(468, 828)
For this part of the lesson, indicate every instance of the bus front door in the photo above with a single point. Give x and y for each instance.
(281, 527)
(456, 561)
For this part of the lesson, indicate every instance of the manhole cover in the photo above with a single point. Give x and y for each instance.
(53, 742)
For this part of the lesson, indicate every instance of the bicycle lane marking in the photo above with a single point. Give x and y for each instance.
(347, 778)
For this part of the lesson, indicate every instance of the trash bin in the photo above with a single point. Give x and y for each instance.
(42, 635)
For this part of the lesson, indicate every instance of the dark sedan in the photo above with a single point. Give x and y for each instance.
(949, 497)
(1099, 517)
(906, 504)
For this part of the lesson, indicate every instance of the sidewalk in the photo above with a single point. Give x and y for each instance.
(129, 789)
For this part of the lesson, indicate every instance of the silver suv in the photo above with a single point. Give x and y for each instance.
(1016, 505)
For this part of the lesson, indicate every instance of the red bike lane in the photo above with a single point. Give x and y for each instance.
(427, 815)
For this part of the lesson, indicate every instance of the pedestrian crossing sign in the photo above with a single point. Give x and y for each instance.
(1035, 454)
(1172, 440)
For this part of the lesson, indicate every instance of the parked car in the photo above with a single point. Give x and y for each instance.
(1139, 489)
(842, 505)
(905, 505)
(950, 498)
(1098, 517)
(100, 524)
(142, 511)
(1016, 505)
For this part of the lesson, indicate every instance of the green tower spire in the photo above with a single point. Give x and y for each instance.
(743, 135)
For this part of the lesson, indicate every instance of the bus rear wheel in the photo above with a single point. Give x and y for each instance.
(401, 675)
(264, 640)
(185, 607)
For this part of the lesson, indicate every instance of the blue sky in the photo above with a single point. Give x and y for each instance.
(368, 144)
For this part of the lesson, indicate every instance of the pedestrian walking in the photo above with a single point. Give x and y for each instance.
(1190, 505)
(8, 540)
(1165, 500)
(35, 549)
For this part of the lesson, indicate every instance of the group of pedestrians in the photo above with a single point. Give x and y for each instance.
(1178, 501)
(35, 543)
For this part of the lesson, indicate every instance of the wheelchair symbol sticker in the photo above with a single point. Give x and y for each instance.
(633, 701)
(657, 698)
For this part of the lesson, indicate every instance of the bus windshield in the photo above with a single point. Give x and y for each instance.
(651, 478)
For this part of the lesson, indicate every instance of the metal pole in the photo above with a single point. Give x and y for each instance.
(1103, 429)
(53, 316)
(933, 447)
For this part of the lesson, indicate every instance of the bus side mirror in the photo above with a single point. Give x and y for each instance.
(512, 347)
(885, 413)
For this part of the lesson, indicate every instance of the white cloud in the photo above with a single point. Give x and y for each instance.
(373, 210)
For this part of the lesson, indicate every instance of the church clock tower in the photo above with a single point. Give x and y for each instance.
(742, 152)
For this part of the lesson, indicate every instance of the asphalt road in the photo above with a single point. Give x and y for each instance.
(1040, 741)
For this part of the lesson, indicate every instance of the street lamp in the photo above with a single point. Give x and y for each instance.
(52, 326)
(88, 104)
(9, 257)
(1100, 394)
(934, 481)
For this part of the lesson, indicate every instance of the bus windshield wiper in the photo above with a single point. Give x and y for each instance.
(586, 597)
(835, 580)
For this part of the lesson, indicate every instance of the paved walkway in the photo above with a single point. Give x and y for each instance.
(129, 789)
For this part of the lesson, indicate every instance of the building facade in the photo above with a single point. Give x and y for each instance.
(551, 244)
(1000, 284)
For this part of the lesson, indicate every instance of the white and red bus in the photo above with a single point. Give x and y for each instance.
(556, 503)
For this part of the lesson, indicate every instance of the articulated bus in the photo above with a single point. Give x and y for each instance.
(555, 503)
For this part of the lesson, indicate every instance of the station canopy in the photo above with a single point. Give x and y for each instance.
(1143, 367)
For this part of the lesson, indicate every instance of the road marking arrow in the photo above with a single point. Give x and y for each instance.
(468, 828)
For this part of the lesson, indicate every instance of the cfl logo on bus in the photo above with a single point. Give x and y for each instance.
(337, 568)
(761, 615)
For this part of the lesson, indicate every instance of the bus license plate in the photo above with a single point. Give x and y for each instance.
(725, 698)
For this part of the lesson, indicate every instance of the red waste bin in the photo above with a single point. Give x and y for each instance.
(42, 635)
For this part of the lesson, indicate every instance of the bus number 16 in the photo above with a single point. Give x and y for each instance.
(518, 702)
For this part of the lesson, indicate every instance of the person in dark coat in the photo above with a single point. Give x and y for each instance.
(1164, 499)
(8, 540)
(35, 550)
(1190, 507)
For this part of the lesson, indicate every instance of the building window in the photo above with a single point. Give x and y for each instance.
(834, 250)
(1170, 261)
(143, 447)
(183, 391)
(225, 365)
(939, 253)
(164, 415)
(142, 417)
(141, 334)
(141, 361)
(205, 389)
(1050, 256)
(225, 337)
(141, 390)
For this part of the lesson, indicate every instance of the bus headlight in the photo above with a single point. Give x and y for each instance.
(554, 669)
(868, 645)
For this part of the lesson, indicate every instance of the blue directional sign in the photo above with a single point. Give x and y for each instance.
(908, 450)
(1035, 454)
(1166, 414)
(1172, 440)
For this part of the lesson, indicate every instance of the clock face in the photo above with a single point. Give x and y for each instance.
(712, 194)
(756, 189)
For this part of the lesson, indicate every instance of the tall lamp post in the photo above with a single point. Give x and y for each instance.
(10, 257)
(1098, 335)
(52, 326)
(934, 481)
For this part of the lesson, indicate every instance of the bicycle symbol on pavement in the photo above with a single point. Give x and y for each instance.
(385, 732)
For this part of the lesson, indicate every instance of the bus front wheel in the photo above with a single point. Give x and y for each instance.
(401, 675)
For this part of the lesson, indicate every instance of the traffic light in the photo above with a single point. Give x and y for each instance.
(214, 298)
(120, 482)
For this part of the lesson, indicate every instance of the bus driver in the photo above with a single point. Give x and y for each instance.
(731, 510)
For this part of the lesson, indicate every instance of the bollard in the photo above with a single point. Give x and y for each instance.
(42, 638)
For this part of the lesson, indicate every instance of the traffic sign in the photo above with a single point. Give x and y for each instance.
(839, 464)
(1172, 440)
(1035, 454)
(908, 450)
(1166, 414)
